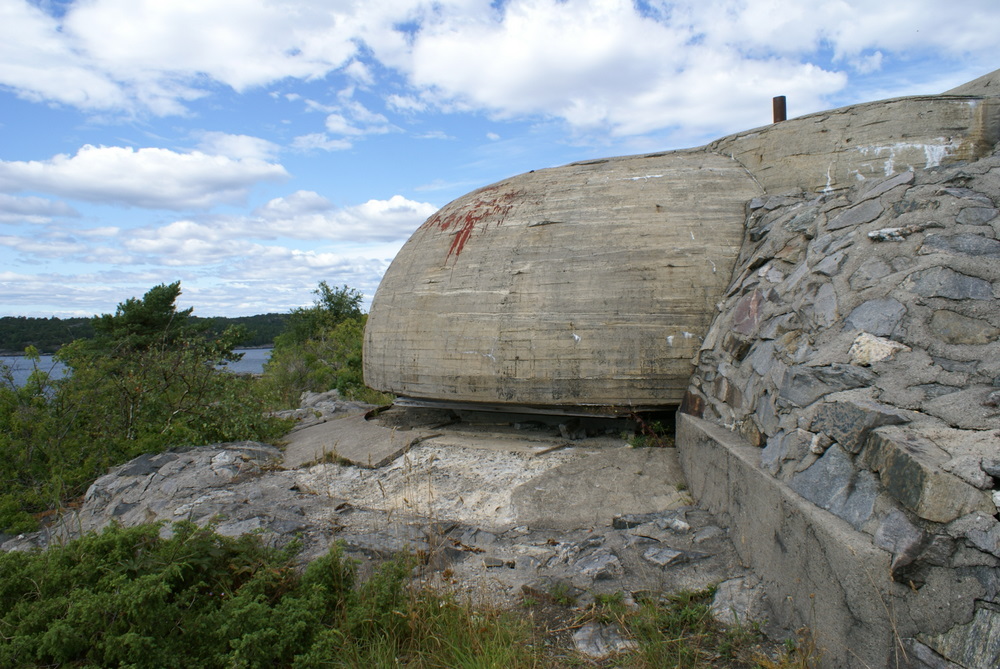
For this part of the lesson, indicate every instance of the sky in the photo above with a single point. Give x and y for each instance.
(253, 148)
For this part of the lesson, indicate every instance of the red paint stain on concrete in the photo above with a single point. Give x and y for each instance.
(490, 206)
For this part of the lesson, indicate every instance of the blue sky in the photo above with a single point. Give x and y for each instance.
(252, 148)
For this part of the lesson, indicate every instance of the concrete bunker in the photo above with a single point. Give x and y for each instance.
(592, 285)
(842, 414)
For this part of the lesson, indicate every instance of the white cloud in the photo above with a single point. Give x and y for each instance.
(320, 141)
(32, 209)
(434, 134)
(374, 229)
(39, 63)
(306, 215)
(701, 64)
(405, 103)
(359, 72)
(601, 64)
(44, 246)
(298, 203)
(237, 146)
(312, 105)
(241, 43)
(626, 67)
(338, 125)
(152, 178)
(354, 120)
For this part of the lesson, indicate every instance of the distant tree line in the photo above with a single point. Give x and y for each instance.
(48, 335)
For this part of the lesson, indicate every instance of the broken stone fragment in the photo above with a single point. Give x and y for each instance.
(599, 640)
(663, 556)
(868, 349)
(600, 566)
(738, 601)
(848, 421)
(900, 233)
(909, 468)
(497, 563)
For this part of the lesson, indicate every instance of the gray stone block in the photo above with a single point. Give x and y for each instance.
(909, 469)
(955, 328)
(967, 245)
(944, 282)
(878, 317)
(975, 645)
(859, 214)
(804, 385)
(835, 484)
(849, 421)
(976, 215)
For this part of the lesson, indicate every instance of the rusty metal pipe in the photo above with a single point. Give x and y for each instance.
(778, 105)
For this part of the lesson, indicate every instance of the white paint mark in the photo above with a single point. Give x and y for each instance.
(934, 155)
(714, 269)
(485, 355)
(829, 179)
(670, 340)
(934, 152)
(648, 176)
(576, 338)
(687, 335)
(691, 232)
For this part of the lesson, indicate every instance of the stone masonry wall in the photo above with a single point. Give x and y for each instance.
(858, 348)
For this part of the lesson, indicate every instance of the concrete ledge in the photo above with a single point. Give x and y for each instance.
(817, 570)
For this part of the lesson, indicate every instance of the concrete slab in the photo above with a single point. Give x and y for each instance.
(353, 439)
(530, 447)
(596, 485)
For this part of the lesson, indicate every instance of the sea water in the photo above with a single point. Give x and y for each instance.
(252, 363)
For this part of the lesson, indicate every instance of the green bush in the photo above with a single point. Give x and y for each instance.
(321, 350)
(147, 382)
(126, 597)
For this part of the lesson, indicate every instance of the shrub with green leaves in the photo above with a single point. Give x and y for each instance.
(320, 350)
(126, 597)
(147, 382)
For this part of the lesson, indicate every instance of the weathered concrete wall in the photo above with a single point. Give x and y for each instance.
(587, 284)
(839, 148)
(845, 413)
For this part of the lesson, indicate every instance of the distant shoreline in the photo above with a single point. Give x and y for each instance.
(20, 354)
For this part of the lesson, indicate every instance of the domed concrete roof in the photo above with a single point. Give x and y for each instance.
(588, 284)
